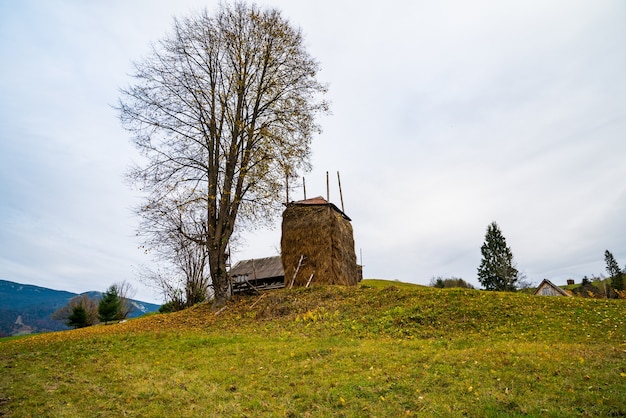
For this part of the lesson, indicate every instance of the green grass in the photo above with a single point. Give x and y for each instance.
(382, 349)
(380, 284)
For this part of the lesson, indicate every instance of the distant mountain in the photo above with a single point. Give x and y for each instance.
(27, 309)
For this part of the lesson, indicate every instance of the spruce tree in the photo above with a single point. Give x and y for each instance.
(615, 273)
(496, 271)
(109, 306)
(78, 317)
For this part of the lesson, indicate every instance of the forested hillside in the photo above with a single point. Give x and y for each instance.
(27, 309)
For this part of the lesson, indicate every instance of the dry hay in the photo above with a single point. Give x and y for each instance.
(321, 236)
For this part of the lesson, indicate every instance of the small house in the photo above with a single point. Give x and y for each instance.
(256, 275)
(547, 288)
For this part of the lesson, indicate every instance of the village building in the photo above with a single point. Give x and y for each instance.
(256, 275)
(547, 288)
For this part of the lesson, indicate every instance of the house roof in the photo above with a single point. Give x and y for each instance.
(259, 268)
(320, 201)
(554, 290)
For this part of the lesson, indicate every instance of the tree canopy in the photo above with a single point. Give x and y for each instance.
(223, 110)
(497, 270)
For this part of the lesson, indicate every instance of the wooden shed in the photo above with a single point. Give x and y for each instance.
(317, 244)
(255, 275)
(547, 288)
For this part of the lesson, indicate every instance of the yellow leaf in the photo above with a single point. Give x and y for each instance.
(382, 398)
(623, 374)
(342, 400)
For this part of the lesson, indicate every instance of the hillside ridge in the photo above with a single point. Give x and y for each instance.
(394, 309)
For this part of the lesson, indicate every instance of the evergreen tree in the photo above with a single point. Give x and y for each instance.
(617, 278)
(496, 271)
(109, 306)
(78, 317)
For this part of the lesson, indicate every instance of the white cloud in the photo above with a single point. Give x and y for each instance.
(446, 116)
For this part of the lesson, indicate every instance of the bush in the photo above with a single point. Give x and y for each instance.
(451, 282)
(170, 307)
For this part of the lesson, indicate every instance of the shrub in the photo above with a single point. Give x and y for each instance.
(451, 282)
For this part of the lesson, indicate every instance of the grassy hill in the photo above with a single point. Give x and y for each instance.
(380, 349)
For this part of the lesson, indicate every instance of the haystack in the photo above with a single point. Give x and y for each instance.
(317, 244)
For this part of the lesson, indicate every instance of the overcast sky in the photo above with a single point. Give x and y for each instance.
(446, 116)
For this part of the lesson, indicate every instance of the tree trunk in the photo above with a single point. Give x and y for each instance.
(219, 274)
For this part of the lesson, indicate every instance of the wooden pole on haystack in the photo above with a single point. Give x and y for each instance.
(310, 278)
(304, 187)
(296, 272)
(327, 189)
(287, 185)
(340, 192)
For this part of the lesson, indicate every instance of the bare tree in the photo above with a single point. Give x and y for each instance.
(222, 110)
(184, 279)
(90, 305)
(125, 292)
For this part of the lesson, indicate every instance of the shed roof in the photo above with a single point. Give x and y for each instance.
(547, 288)
(259, 268)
